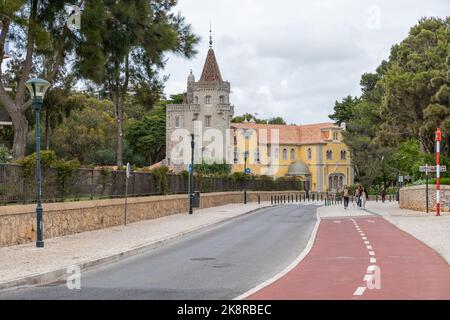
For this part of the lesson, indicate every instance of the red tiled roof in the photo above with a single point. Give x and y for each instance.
(211, 71)
(301, 134)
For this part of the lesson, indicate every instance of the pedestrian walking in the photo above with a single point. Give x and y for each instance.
(345, 194)
(365, 196)
(360, 195)
(383, 195)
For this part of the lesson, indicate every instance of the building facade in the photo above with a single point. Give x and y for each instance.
(313, 153)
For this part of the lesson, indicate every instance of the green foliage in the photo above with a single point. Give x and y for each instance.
(343, 111)
(65, 170)
(5, 154)
(48, 158)
(147, 138)
(214, 169)
(161, 180)
(249, 117)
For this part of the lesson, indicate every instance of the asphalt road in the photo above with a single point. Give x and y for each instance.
(219, 263)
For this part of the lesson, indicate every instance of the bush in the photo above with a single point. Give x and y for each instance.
(161, 181)
(48, 158)
(5, 155)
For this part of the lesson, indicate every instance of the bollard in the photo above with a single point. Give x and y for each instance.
(271, 199)
(259, 199)
(284, 199)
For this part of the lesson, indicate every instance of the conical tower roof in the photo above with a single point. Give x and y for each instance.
(211, 71)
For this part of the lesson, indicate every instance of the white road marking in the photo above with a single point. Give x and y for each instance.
(371, 253)
(359, 291)
(368, 277)
(364, 238)
(369, 247)
(366, 242)
(373, 260)
(371, 268)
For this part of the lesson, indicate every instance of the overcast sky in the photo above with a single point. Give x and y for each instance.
(295, 58)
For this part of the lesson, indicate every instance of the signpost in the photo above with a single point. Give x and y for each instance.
(438, 171)
(427, 170)
(128, 173)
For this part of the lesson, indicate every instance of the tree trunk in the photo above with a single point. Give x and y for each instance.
(119, 110)
(20, 124)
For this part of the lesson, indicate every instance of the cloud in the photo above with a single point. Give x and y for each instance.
(294, 58)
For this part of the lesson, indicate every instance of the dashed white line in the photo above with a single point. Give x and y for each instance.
(373, 260)
(371, 253)
(369, 247)
(359, 291)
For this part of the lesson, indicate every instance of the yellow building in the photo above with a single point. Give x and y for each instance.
(314, 153)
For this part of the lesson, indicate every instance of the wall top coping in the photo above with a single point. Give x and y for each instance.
(423, 186)
(75, 205)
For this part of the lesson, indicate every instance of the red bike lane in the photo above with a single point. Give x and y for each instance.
(348, 252)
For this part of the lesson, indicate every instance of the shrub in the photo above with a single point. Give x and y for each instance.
(161, 181)
(48, 158)
(5, 155)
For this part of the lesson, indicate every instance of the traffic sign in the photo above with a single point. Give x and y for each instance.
(400, 179)
(248, 170)
(432, 169)
(128, 170)
(190, 168)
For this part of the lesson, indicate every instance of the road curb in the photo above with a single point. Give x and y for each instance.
(61, 273)
(303, 254)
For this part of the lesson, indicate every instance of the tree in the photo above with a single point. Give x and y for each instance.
(148, 136)
(88, 134)
(125, 45)
(416, 84)
(343, 110)
(250, 117)
(41, 40)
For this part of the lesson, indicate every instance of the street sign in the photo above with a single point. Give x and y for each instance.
(248, 170)
(128, 170)
(429, 169)
(190, 168)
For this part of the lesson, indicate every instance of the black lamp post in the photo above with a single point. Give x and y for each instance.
(245, 174)
(37, 88)
(191, 176)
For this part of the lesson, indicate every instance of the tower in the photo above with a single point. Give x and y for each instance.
(207, 107)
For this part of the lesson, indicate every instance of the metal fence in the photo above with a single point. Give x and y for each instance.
(88, 184)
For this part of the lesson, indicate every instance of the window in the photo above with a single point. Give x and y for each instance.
(335, 136)
(208, 99)
(177, 121)
(222, 99)
(208, 121)
(285, 157)
(196, 99)
(343, 155)
(277, 154)
(309, 154)
(236, 157)
(258, 156)
(329, 155)
(292, 154)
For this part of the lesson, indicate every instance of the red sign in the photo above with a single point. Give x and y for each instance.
(438, 135)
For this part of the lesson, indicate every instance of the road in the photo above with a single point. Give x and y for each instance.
(219, 263)
(364, 259)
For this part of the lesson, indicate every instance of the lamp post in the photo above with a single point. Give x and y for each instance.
(191, 176)
(37, 88)
(245, 174)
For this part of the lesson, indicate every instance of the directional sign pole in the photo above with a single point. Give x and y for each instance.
(438, 171)
(426, 189)
(126, 190)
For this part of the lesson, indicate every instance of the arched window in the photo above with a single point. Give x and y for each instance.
(335, 136)
(208, 99)
(196, 99)
(292, 154)
(277, 154)
(343, 155)
(177, 121)
(309, 154)
(222, 99)
(329, 155)
(285, 156)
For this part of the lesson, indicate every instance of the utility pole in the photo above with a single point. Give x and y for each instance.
(191, 176)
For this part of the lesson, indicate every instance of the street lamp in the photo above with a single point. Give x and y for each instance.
(191, 176)
(37, 88)
(245, 174)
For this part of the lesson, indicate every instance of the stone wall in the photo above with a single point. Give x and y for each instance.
(18, 222)
(413, 198)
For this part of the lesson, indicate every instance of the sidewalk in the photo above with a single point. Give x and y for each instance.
(26, 265)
